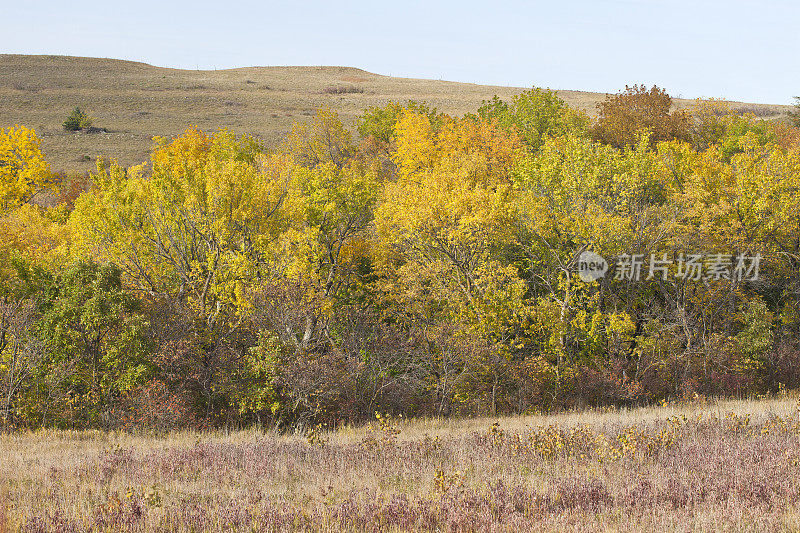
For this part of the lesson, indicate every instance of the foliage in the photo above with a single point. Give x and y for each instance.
(95, 350)
(190, 230)
(428, 268)
(323, 140)
(623, 116)
(535, 114)
(23, 170)
(77, 121)
(379, 122)
(794, 115)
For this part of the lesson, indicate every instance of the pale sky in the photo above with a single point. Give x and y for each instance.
(736, 49)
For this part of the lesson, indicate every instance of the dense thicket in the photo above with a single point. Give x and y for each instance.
(431, 266)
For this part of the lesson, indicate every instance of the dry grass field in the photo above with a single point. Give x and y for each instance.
(135, 101)
(710, 466)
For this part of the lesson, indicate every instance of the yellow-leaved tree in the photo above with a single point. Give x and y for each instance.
(190, 235)
(23, 170)
(447, 224)
(28, 233)
(193, 229)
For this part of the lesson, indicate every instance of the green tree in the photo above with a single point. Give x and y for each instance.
(77, 120)
(535, 114)
(95, 348)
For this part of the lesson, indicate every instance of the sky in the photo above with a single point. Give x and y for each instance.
(735, 49)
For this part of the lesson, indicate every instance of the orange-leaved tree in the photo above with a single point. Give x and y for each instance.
(621, 117)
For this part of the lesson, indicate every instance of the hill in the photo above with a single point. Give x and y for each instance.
(135, 101)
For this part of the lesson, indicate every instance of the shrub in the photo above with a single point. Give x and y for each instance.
(794, 114)
(77, 120)
(343, 89)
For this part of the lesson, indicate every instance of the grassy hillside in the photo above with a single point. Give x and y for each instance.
(135, 101)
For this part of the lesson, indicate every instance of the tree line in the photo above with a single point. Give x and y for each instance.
(428, 265)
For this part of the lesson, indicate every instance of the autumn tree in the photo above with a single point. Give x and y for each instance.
(577, 195)
(535, 115)
(429, 267)
(319, 253)
(191, 230)
(191, 233)
(23, 170)
(321, 140)
(314, 271)
(92, 333)
(446, 219)
(379, 122)
(621, 117)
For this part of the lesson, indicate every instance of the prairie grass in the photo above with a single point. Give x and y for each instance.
(706, 466)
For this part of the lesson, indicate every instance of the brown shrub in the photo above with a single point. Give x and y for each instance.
(343, 89)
